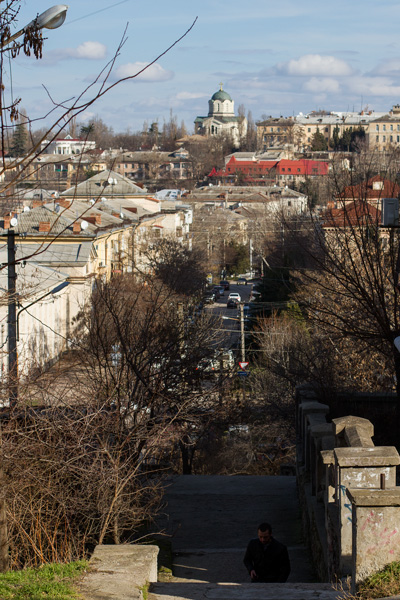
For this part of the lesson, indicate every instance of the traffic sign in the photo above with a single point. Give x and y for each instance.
(243, 373)
(243, 364)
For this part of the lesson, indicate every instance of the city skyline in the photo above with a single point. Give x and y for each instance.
(275, 59)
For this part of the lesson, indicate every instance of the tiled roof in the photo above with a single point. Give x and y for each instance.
(99, 185)
(354, 214)
(374, 188)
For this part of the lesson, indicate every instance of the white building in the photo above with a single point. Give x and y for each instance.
(221, 119)
(68, 145)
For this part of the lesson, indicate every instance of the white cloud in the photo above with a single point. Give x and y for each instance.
(388, 67)
(87, 50)
(151, 74)
(91, 50)
(374, 86)
(315, 65)
(321, 84)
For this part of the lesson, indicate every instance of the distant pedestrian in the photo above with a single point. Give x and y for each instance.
(266, 559)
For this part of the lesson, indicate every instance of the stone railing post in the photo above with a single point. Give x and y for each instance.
(310, 413)
(376, 531)
(353, 431)
(359, 468)
(321, 440)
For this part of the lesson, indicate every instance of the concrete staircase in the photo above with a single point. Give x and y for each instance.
(181, 590)
(210, 519)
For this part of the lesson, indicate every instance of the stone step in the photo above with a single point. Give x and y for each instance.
(182, 590)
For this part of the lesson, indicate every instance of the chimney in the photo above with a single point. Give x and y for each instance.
(7, 222)
(36, 203)
(97, 219)
(64, 203)
(44, 226)
(76, 227)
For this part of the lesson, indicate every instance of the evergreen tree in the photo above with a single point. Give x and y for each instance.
(19, 142)
(318, 142)
(335, 140)
(345, 139)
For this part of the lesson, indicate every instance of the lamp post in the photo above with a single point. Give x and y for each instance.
(50, 19)
(13, 349)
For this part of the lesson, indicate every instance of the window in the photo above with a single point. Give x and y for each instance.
(309, 129)
(377, 127)
(398, 127)
(326, 130)
(298, 170)
(278, 129)
(384, 138)
(272, 129)
(283, 170)
(398, 138)
(391, 138)
(384, 127)
(377, 138)
(391, 128)
(289, 169)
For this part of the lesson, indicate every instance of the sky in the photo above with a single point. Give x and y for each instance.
(275, 58)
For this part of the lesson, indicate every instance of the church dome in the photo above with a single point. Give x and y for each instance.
(221, 95)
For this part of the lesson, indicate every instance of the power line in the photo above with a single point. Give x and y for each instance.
(95, 12)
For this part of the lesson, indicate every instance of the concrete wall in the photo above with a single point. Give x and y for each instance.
(120, 571)
(350, 502)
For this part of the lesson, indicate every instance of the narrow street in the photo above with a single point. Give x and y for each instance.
(230, 332)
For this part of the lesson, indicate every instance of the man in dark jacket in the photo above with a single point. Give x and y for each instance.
(266, 559)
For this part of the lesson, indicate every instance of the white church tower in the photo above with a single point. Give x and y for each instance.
(221, 119)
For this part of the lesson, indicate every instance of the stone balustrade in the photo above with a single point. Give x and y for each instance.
(348, 492)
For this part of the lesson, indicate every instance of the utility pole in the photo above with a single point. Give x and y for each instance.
(242, 347)
(12, 320)
(251, 256)
(242, 344)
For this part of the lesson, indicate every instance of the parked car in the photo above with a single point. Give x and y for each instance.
(232, 303)
(209, 298)
(213, 363)
(221, 289)
(225, 284)
(216, 291)
(241, 280)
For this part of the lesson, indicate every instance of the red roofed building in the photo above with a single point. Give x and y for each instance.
(372, 190)
(298, 170)
(358, 213)
(281, 171)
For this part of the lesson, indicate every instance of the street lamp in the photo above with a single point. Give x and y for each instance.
(50, 19)
(14, 338)
(55, 290)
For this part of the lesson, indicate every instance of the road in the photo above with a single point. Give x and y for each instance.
(230, 323)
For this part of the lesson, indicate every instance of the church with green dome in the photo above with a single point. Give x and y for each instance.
(221, 119)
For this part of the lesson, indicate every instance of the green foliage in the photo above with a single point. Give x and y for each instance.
(335, 141)
(318, 142)
(51, 582)
(382, 584)
(275, 286)
(349, 141)
(237, 258)
(19, 141)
